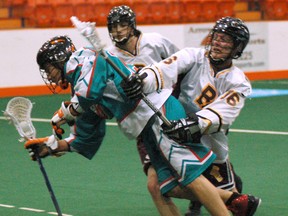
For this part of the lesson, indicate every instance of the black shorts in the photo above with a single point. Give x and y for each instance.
(220, 175)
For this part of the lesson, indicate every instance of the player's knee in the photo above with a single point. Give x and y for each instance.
(175, 192)
(152, 182)
(153, 187)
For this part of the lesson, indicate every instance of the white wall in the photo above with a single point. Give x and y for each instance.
(266, 51)
(278, 45)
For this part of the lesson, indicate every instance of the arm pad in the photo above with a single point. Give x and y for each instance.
(67, 112)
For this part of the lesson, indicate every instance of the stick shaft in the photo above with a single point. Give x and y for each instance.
(48, 184)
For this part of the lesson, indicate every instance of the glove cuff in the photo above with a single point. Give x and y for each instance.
(65, 108)
(52, 143)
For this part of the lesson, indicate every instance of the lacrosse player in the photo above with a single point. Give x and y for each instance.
(96, 83)
(228, 39)
(141, 49)
(213, 92)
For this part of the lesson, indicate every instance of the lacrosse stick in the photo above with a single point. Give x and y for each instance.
(88, 30)
(18, 112)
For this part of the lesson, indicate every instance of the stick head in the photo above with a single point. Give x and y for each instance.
(18, 112)
(88, 30)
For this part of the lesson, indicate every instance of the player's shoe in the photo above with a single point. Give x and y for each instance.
(194, 209)
(243, 205)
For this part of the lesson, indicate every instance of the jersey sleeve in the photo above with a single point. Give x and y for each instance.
(89, 74)
(87, 134)
(164, 75)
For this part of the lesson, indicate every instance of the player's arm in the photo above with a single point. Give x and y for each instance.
(67, 113)
(87, 134)
(162, 75)
(220, 114)
(215, 117)
(147, 80)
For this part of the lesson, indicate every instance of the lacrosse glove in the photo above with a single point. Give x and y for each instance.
(42, 147)
(66, 114)
(184, 130)
(132, 87)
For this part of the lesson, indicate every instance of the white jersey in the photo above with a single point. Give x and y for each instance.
(150, 48)
(216, 99)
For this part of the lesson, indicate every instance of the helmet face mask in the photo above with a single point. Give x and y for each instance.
(237, 30)
(222, 47)
(54, 53)
(52, 77)
(123, 16)
(121, 32)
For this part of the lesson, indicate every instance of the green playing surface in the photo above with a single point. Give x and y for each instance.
(113, 183)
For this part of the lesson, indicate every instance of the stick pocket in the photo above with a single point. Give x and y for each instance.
(18, 113)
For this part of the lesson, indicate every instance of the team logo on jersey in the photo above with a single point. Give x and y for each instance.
(207, 96)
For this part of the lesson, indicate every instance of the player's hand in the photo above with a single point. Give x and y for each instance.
(184, 130)
(133, 86)
(42, 147)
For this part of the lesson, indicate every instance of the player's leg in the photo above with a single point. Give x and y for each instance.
(238, 204)
(208, 195)
(164, 205)
(221, 176)
(194, 208)
(189, 163)
(202, 190)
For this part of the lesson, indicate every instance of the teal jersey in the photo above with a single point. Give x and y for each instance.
(95, 82)
(87, 134)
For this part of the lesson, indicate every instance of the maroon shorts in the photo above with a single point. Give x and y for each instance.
(144, 157)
